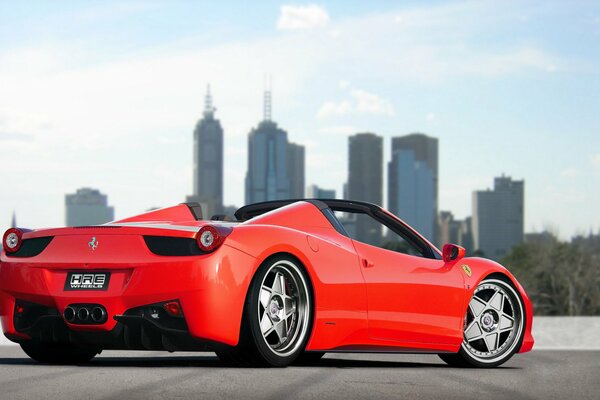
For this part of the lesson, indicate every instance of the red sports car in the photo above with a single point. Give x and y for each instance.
(287, 281)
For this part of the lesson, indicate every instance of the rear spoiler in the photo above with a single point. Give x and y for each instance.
(195, 209)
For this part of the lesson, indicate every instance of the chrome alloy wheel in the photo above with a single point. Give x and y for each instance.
(494, 322)
(283, 308)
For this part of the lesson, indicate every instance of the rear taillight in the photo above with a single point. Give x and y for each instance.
(173, 308)
(12, 240)
(209, 238)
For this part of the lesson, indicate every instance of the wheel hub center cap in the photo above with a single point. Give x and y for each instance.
(275, 308)
(488, 321)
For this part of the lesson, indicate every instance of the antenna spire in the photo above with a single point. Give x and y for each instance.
(268, 100)
(209, 110)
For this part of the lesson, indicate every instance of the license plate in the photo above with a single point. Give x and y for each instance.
(87, 281)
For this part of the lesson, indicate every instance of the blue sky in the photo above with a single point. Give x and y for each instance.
(106, 94)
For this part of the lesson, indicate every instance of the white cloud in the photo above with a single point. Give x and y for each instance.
(595, 160)
(294, 18)
(370, 103)
(335, 33)
(361, 101)
(331, 108)
(510, 61)
(430, 116)
(344, 84)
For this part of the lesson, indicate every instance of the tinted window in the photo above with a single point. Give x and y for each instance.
(366, 229)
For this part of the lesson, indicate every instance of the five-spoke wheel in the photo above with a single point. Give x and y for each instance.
(277, 316)
(283, 307)
(493, 326)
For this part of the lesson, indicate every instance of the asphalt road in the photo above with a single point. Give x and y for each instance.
(148, 375)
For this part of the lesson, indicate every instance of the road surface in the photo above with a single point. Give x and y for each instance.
(150, 375)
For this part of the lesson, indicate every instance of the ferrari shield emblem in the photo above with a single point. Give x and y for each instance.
(93, 244)
(467, 269)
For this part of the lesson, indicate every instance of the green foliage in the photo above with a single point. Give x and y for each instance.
(561, 278)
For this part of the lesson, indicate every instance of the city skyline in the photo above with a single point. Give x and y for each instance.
(114, 110)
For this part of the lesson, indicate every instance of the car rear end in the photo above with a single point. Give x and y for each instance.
(134, 285)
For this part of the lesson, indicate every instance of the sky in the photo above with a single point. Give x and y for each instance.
(107, 94)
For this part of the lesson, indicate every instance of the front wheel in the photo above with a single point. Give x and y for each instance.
(53, 353)
(277, 317)
(494, 327)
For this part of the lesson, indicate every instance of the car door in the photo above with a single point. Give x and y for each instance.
(411, 298)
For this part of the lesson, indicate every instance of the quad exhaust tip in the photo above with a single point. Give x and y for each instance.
(85, 314)
(98, 314)
(70, 314)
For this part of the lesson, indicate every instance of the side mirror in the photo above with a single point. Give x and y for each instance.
(452, 252)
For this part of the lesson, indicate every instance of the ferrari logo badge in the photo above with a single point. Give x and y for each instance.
(467, 269)
(93, 244)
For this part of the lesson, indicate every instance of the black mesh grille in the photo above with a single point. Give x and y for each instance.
(31, 247)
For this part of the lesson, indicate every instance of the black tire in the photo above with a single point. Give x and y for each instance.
(455, 360)
(470, 357)
(52, 353)
(309, 358)
(254, 349)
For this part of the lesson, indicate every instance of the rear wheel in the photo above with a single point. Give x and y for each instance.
(53, 353)
(277, 316)
(494, 327)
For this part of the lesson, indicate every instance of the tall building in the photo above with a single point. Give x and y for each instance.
(454, 231)
(208, 160)
(88, 207)
(275, 166)
(413, 182)
(295, 169)
(315, 192)
(449, 228)
(365, 180)
(498, 217)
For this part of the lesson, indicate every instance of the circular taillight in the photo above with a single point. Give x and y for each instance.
(208, 238)
(12, 240)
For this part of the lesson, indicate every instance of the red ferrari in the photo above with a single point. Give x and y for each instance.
(286, 282)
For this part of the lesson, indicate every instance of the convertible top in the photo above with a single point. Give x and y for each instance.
(254, 210)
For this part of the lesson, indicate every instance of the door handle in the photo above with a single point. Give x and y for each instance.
(367, 264)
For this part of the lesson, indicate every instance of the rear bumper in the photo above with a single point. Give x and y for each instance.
(211, 290)
(137, 329)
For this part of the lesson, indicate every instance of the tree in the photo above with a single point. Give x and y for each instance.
(561, 278)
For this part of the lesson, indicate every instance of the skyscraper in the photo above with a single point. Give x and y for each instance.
(208, 160)
(365, 180)
(413, 182)
(498, 217)
(295, 169)
(87, 207)
(316, 192)
(275, 166)
(455, 231)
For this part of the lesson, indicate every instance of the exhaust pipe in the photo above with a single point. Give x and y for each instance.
(83, 314)
(69, 314)
(98, 314)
